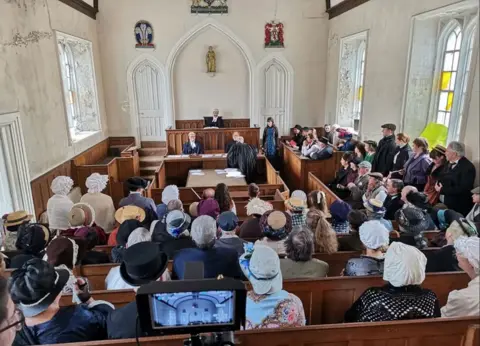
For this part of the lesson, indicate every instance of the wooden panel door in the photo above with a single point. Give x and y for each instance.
(274, 96)
(149, 95)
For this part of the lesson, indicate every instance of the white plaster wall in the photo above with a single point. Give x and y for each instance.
(389, 25)
(30, 79)
(306, 29)
(197, 93)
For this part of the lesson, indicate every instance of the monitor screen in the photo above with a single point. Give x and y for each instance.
(192, 309)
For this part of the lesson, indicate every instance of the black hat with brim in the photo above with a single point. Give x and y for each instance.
(143, 263)
(136, 183)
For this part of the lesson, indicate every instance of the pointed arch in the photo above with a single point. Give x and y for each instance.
(284, 65)
(184, 41)
(138, 62)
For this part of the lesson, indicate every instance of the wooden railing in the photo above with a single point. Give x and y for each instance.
(200, 123)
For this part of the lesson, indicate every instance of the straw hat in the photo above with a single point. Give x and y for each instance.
(130, 212)
(17, 218)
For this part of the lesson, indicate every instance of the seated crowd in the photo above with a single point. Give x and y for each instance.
(388, 198)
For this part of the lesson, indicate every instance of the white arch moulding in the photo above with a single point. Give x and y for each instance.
(132, 99)
(184, 41)
(281, 61)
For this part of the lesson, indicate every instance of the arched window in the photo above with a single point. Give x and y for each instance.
(454, 56)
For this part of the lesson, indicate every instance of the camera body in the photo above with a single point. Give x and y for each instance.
(191, 307)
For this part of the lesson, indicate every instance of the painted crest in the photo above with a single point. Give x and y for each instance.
(144, 34)
(274, 35)
(209, 7)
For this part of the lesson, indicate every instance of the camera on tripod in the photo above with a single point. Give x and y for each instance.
(193, 307)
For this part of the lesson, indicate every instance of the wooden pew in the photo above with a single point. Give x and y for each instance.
(213, 140)
(473, 336)
(297, 168)
(320, 131)
(324, 300)
(200, 123)
(428, 332)
(314, 183)
(175, 170)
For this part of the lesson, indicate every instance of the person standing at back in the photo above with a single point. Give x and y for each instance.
(456, 184)
(383, 159)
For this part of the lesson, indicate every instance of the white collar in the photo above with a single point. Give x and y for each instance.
(135, 193)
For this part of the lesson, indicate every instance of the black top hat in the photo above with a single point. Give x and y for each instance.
(36, 285)
(143, 263)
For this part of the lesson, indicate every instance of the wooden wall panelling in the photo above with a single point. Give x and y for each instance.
(187, 195)
(92, 155)
(315, 183)
(112, 141)
(161, 176)
(125, 168)
(324, 170)
(199, 124)
(211, 139)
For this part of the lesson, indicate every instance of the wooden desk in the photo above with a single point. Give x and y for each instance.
(211, 178)
(297, 167)
(175, 170)
(213, 140)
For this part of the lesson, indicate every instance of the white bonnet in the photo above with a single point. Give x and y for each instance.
(96, 182)
(170, 193)
(404, 265)
(299, 194)
(258, 207)
(373, 234)
(61, 185)
(469, 247)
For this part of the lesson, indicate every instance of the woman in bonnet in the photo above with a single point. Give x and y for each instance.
(59, 205)
(268, 305)
(101, 203)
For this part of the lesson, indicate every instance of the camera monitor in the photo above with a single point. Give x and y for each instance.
(191, 306)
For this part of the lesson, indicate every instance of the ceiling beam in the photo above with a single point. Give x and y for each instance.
(342, 7)
(83, 7)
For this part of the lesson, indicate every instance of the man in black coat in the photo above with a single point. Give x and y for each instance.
(393, 202)
(192, 147)
(215, 121)
(142, 263)
(383, 159)
(456, 184)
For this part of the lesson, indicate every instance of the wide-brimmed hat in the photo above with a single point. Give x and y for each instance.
(374, 206)
(209, 207)
(129, 212)
(81, 214)
(261, 265)
(143, 263)
(36, 285)
(412, 220)
(440, 149)
(275, 224)
(296, 205)
(256, 206)
(33, 238)
(339, 210)
(125, 229)
(17, 218)
(177, 222)
(227, 221)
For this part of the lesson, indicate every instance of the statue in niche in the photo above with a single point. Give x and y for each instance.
(211, 60)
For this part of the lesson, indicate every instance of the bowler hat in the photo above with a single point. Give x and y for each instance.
(143, 263)
(227, 221)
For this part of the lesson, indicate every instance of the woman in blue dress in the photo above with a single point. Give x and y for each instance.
(270, 141)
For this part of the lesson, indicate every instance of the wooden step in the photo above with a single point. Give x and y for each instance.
(149, 170)
(148, 161)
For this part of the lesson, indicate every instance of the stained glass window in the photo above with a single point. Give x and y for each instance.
(448, 76)
(359, 83)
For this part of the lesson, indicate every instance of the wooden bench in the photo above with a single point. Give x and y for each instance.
(297, 168)
(324, 300)
(428, 332)
(213, 140)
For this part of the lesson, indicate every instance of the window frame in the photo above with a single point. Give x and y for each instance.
(463, 78)
(73, 137)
